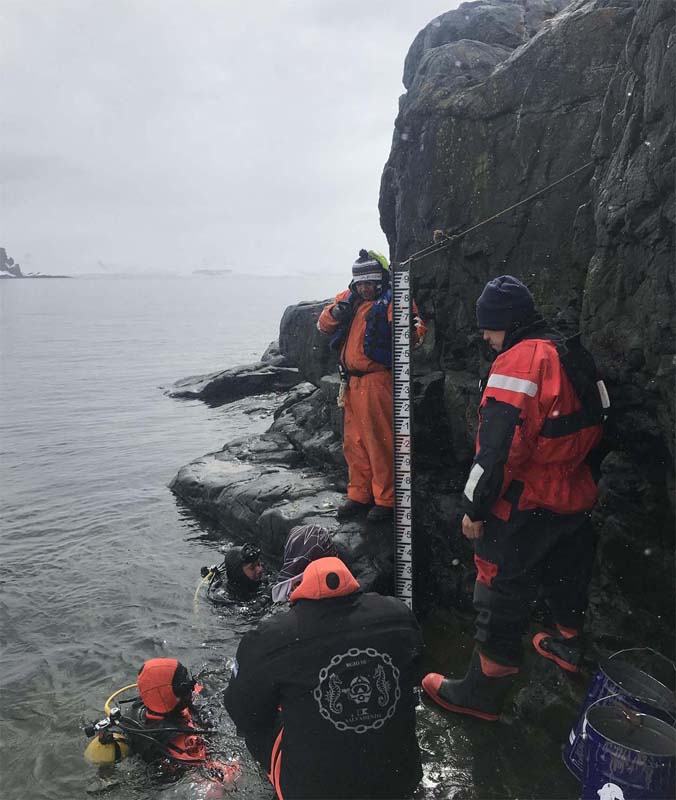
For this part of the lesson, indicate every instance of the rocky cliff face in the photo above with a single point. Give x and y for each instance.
(628, 292)
(505, 97)
(497, 108)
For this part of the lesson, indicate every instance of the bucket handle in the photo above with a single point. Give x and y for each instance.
(649, 649)
(583, 732)
(627, 713)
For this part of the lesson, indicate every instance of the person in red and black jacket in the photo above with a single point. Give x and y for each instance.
(324, 693)
(527, 498)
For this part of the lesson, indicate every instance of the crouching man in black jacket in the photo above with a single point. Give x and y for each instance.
(324, 692)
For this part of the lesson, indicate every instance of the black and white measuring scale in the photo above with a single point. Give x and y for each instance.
(402, 425)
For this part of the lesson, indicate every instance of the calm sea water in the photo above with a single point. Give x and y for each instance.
(99, 563)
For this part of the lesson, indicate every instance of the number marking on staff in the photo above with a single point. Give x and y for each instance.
(401, 391)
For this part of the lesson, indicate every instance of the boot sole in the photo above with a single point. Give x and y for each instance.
(471, 712)
(355, 513)
(551, 657)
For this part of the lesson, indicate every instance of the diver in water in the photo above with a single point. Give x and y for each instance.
(160, 725)
(241, 576)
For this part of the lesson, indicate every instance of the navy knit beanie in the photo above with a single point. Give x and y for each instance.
(504, 302)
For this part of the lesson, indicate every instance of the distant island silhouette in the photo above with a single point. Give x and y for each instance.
(11, 269)
(212, 273)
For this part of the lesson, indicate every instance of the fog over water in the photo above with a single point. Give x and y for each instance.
(172, 136)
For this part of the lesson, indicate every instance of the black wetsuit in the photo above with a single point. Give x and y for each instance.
(250, 600)
(156, 739)
(231, 587)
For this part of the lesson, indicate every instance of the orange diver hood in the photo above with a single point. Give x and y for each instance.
(325, 578)
(164, 685)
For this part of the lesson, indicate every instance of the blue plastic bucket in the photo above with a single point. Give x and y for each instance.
(619, 681)
(627, 756)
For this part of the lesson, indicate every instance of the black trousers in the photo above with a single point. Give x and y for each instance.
(534, 551)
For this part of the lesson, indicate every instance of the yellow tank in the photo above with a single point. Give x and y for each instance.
(99, 753)
(114, 747)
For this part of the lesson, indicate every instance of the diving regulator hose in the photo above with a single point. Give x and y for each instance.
(208, 577)
(106, 705)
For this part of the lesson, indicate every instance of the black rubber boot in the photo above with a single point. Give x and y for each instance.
(380, 514)
(350, 508)
(567, 653)
(476, 694)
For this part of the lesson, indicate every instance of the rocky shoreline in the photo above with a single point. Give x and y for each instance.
(259, 487)
(502, 99)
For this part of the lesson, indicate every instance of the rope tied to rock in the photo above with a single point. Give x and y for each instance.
(447, 241)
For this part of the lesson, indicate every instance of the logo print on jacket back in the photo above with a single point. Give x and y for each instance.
(358, 690)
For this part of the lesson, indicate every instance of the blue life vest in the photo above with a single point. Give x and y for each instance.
(378, 333)
(339, 336)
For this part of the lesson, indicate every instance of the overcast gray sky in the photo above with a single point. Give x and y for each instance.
(154, 135)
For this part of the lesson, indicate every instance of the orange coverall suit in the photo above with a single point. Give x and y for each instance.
(368, 442)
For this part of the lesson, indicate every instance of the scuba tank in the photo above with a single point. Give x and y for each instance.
(108, 741)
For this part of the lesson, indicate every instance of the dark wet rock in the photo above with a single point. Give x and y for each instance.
(300, 392)
(259, 487)
(273, 356)
(636, 572)
(630, 276)
(218, 388)
(484, 148)
(303, 345)
(546, 697)
(430, 428)
(457, 65)
(506, 25)
(311, 426)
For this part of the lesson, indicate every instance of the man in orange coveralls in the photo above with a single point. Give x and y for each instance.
(360, 325)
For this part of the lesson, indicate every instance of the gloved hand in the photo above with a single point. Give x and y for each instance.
(416, 336)
(342, 311)
(472, 529)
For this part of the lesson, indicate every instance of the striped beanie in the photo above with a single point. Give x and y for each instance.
(367, 268)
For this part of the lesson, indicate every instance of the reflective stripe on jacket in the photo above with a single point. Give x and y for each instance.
(522, 454)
